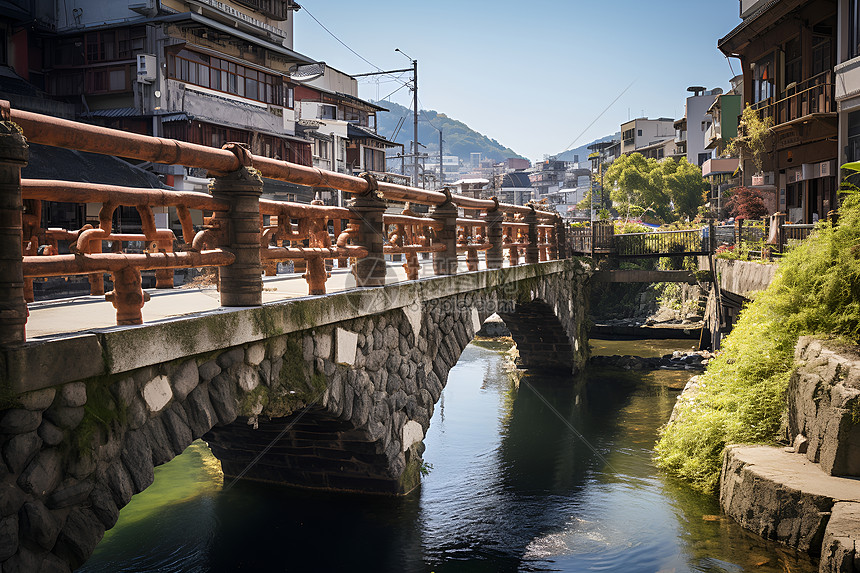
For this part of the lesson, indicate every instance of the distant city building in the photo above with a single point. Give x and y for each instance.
(548, 177)
(515, 188)
(517, 163)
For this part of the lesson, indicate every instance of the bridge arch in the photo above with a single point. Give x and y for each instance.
(343, 404)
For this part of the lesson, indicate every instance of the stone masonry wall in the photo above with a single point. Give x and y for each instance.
(74, 454)
(824, 405)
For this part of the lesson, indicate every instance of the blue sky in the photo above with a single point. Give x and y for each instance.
(531, 74)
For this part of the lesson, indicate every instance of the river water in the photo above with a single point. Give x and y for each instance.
(553, 474)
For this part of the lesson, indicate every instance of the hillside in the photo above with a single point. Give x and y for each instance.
(460, 139)
(582, 151)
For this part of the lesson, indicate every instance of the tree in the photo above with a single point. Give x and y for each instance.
(753, 143)
(685, 185)
(746, 203)
(671, 189)
(636, 184)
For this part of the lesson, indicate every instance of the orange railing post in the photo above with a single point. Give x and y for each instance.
(495, 254)
(241, 283)
(13, 308)
(369, 209)
(445, 261)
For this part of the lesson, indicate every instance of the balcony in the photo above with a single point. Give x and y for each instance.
(848, 79)
(712, 136)
(814, 96)
(719, 166)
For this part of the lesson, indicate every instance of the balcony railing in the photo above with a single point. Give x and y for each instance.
(815, 95)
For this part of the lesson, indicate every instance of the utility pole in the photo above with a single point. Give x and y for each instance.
(414, 71)
(415, 116)
(441, 168)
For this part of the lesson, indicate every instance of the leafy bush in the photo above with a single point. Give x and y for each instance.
(741, 396)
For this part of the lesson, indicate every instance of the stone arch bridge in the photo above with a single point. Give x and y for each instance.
(333, 392)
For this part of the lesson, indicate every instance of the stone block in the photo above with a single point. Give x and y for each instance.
(157, 393)
(38, 524)
(308, 348)
(124, 390)
(222, 394)
(79, 536)
(50, 434)
(159, 443)
(11, 497)
(104, 506)
(26, 560)
(209, 370)
(20, 449)
(322, 345)
(119, 481)
(19, 421)
(73, 395)
(53, 564)
(277, 347)
(185, 379)
(246, 376)
(840, 549)
(412, 432)
(42, 474)
(255, 353)
(70, 492)
(199, 411)
(231, 357)
(781, 496)
(8, 537)
(137, 458)
(38, 400)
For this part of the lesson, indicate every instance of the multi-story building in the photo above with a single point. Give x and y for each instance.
(725, 113)
(548, 176)
(787, 51)
(848, 80)
(341, 126)
(697, 121)
(644, 132)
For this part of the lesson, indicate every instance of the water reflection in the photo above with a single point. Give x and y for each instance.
(512, 488)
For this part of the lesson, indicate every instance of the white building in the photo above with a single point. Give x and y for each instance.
(643, 132)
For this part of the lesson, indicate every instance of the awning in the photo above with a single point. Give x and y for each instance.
(354, 131)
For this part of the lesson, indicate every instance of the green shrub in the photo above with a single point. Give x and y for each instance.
(742, 393)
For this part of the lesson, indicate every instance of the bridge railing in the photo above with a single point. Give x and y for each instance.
(663, 243)
(243, 235)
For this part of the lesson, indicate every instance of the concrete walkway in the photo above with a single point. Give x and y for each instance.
(85, 313)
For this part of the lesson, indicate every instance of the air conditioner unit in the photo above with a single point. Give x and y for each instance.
(147, 68)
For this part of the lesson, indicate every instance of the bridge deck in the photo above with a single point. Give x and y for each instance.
(65, 316)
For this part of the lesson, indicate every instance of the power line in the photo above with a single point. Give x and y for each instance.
(572, 143)
(342, 43)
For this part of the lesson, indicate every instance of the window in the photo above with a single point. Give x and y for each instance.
(853, 28)
(793, 60)
(107, 80)
(703, 157)
(763, 78)
(374, 160)
(820, 54)
(226, 76)
(854, 136)
(639, 133)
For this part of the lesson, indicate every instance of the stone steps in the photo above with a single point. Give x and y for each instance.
(785, 497)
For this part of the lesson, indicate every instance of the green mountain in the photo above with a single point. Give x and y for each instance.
(460, 139)
(583, 151)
